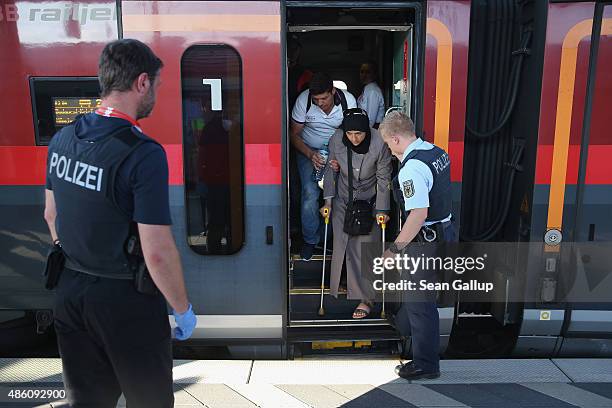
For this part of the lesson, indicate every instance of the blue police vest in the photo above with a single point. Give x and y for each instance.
(90, 225)
(438, 161)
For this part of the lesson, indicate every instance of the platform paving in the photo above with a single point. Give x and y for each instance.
(354, 383)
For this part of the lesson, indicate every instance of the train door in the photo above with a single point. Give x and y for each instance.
(218, 114)
(421, 51)
(588, 309)
(337, 39)
(568, 310)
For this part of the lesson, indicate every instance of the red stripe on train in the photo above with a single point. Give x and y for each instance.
(25, 165)
(598, 164)
(455, 151)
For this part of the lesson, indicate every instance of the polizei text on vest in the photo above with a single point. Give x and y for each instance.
(76, 172)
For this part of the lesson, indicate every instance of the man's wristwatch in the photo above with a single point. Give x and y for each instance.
(394, 249)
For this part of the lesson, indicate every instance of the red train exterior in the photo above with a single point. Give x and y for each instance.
(243, 297)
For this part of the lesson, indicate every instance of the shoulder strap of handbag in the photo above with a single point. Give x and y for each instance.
(349, 155)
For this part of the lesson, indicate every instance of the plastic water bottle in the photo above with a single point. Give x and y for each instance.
(317, 175)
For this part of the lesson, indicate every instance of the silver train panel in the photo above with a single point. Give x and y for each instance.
(250, 281)
(237, 327)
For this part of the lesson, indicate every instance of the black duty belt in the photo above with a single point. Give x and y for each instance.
(71, 268)
(433, 232)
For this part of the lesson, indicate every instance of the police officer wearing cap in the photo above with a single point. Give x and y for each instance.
(422, 190)
(107, 205)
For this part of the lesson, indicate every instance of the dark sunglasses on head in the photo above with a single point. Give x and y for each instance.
(354, 111)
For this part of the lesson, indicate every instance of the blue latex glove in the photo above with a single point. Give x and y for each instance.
(185, 323)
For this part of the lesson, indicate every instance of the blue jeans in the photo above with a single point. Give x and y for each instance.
(311, 219)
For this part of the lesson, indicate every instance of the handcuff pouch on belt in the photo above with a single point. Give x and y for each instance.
(142, 279)
(435, 232)
(54, 265)
(429, 234)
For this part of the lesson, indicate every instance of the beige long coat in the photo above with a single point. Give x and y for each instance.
(371, 176)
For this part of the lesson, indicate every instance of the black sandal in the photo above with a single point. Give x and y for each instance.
(360, 312)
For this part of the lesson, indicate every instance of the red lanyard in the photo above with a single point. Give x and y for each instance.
(114, 113)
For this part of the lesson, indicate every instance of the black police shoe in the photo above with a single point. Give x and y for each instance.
(410, 371)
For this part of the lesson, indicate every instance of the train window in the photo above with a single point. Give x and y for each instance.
(211, 80)
(57, 100)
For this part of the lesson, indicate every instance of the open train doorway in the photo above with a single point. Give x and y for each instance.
(341, 41)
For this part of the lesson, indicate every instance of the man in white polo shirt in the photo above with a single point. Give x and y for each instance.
(316, 116)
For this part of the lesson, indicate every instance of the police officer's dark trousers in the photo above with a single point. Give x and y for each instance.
(112, 339)
(418, 316)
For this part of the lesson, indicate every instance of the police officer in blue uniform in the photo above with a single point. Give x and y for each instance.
(422, 190)
(107, 205)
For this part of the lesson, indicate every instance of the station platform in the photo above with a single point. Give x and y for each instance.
(353, 383)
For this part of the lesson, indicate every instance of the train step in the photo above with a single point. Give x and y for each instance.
(305, 334)
(338, 321)
(363, 340)
(337, 312)
(314, 291)
(315, 257)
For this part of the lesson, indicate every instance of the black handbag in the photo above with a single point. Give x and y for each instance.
(359, 216)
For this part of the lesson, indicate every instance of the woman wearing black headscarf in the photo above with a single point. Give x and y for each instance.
(371, 168)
